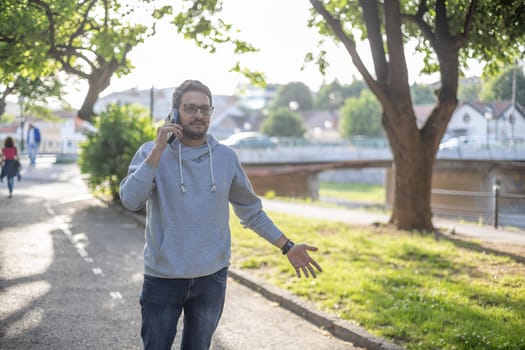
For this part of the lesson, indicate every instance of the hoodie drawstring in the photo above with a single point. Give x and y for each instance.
(213, 187)
(182, 188)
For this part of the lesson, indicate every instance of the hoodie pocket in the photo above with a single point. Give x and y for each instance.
(195, 250)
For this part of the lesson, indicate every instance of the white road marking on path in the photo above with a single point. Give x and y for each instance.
(78, 198)
(97, 271)
(78, 241)
(116, 295)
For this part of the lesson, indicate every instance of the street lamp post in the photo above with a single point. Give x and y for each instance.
(22, 121)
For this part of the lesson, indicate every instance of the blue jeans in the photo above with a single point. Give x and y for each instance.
(10, 184)
(162, 301)
(32, 149)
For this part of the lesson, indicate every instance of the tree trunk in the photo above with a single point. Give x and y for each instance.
(86, 112)
(97, 84)
(413, 186)
(414, 151)
(2, 106)
(412, 168)
(98, 81)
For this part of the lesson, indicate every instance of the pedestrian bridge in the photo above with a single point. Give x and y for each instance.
(462, 182)
(363, 154)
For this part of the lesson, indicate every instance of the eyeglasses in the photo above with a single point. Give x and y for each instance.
(190, 108)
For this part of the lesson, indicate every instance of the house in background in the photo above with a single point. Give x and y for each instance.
(63, 135)
(158, 101)
(321, 125)
(227, 117)
(497, 122)
(256, 98)
(60, 135)
(12, 130)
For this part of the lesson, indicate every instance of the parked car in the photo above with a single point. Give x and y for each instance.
(250, 139)
(463, 142)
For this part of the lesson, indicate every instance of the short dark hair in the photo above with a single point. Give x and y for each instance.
(189, 85)
(9, 142)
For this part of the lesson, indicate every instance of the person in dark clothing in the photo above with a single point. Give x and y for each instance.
(10, 164)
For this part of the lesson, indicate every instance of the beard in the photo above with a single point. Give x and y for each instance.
(194, 134)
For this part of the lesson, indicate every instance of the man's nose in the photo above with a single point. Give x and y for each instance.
(198, 113)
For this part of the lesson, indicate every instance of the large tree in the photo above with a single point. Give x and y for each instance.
(447, 32)
(91, 39)
(25, 69)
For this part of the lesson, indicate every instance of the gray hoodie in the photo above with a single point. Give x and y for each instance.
(187, 203)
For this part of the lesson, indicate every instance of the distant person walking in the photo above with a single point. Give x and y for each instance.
(33, 142)
(10, 164)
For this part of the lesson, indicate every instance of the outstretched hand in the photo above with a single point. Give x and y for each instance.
(302, 261)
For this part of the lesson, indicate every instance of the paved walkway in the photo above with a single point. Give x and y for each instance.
(229, 336)
(71, 272)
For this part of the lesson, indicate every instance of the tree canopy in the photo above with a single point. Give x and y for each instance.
(283, 122)
(295, 93)
(361, 116)
(499, 88)
(448, 34)
(333, 95)
(91, 39)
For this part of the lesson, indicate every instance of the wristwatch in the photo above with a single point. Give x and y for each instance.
(287, 246)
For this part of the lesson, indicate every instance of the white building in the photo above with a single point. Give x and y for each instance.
(227, 117)
(495, 121)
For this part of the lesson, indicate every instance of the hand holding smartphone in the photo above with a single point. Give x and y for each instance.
(174, 118)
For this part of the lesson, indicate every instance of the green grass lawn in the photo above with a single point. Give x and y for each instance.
(353, 192)
(406, 287)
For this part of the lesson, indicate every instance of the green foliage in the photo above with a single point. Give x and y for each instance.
(497, 34)
(106, 154)
(284, 123)
(91, 40)
(296, 93)
(422, 94)
(333, 95)
(361, 116)
(469, 89)
(500, 87)
(25, 70)
(408, 287)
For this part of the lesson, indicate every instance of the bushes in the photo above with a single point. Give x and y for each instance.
(106, 154)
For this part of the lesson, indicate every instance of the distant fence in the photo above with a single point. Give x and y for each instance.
(515, 217)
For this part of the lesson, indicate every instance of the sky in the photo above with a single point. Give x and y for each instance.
(282, 36)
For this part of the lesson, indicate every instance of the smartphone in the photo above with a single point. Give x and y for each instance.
(174, 118)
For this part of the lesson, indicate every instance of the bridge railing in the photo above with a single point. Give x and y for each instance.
(296, 150)
(354, 141)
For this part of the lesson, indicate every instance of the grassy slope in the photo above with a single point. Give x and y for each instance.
(408, 287)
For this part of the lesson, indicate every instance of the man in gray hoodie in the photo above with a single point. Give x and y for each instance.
(186, 180)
